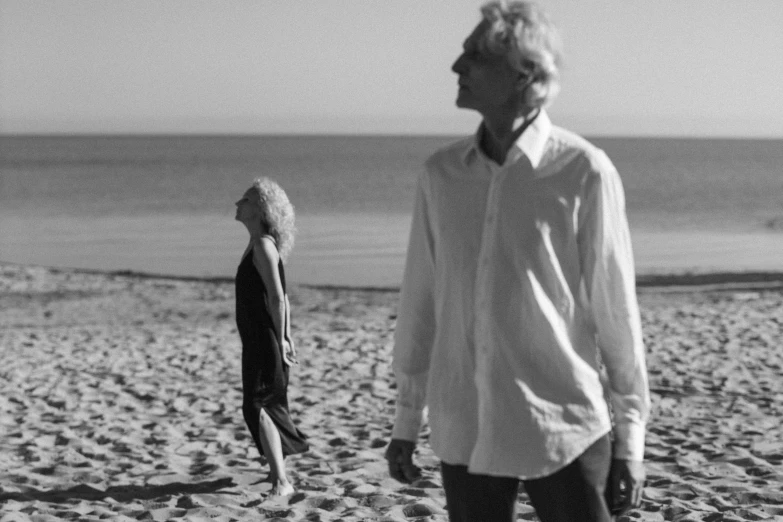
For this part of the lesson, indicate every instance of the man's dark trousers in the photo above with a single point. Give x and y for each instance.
(575, 493)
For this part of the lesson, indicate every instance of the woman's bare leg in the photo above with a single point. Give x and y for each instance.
(273, 449)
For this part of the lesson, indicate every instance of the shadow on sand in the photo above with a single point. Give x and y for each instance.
(121, 493)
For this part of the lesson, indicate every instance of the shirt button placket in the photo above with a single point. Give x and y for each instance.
(482, 300)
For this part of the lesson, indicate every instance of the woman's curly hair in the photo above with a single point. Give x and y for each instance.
(277, 214)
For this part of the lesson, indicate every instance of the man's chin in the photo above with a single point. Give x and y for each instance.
(462, 103)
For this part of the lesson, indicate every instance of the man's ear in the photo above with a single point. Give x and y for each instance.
(524, 81)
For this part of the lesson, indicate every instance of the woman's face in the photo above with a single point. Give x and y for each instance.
(249, 207)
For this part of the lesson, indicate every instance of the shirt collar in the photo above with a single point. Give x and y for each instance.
(532, 142)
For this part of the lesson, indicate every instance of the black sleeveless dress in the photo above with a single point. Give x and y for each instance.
(264, 375)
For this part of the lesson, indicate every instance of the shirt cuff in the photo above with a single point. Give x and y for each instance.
(629, 441)
(407, 423)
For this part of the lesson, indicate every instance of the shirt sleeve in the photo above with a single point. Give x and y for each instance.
(609, 275)
(415, 330)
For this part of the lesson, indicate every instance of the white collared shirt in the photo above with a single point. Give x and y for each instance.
(519, 278)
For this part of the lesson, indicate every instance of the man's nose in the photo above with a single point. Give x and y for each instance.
(459, 64)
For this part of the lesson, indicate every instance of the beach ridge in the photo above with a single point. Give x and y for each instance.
(693, 280)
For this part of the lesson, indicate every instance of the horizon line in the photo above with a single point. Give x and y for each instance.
(355, 135)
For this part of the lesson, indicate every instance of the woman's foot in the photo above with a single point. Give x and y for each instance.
(264, 480)
(281, 488)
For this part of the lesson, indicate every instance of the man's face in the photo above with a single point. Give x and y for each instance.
(487, 82)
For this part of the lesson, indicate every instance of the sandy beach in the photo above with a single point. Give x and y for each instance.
(120, 400)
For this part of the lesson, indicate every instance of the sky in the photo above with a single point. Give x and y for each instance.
(632, 68)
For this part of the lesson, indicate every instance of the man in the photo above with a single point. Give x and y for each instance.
(519, 283)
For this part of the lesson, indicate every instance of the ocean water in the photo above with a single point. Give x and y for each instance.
(164, 204)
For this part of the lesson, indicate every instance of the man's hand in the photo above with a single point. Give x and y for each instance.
(399, 455)
(627, 484)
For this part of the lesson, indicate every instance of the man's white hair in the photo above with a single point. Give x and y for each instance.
(521, 31)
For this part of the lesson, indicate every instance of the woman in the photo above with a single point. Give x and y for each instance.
(263, 321)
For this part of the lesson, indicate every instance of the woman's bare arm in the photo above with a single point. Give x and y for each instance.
(294, 357)
(265, 259)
